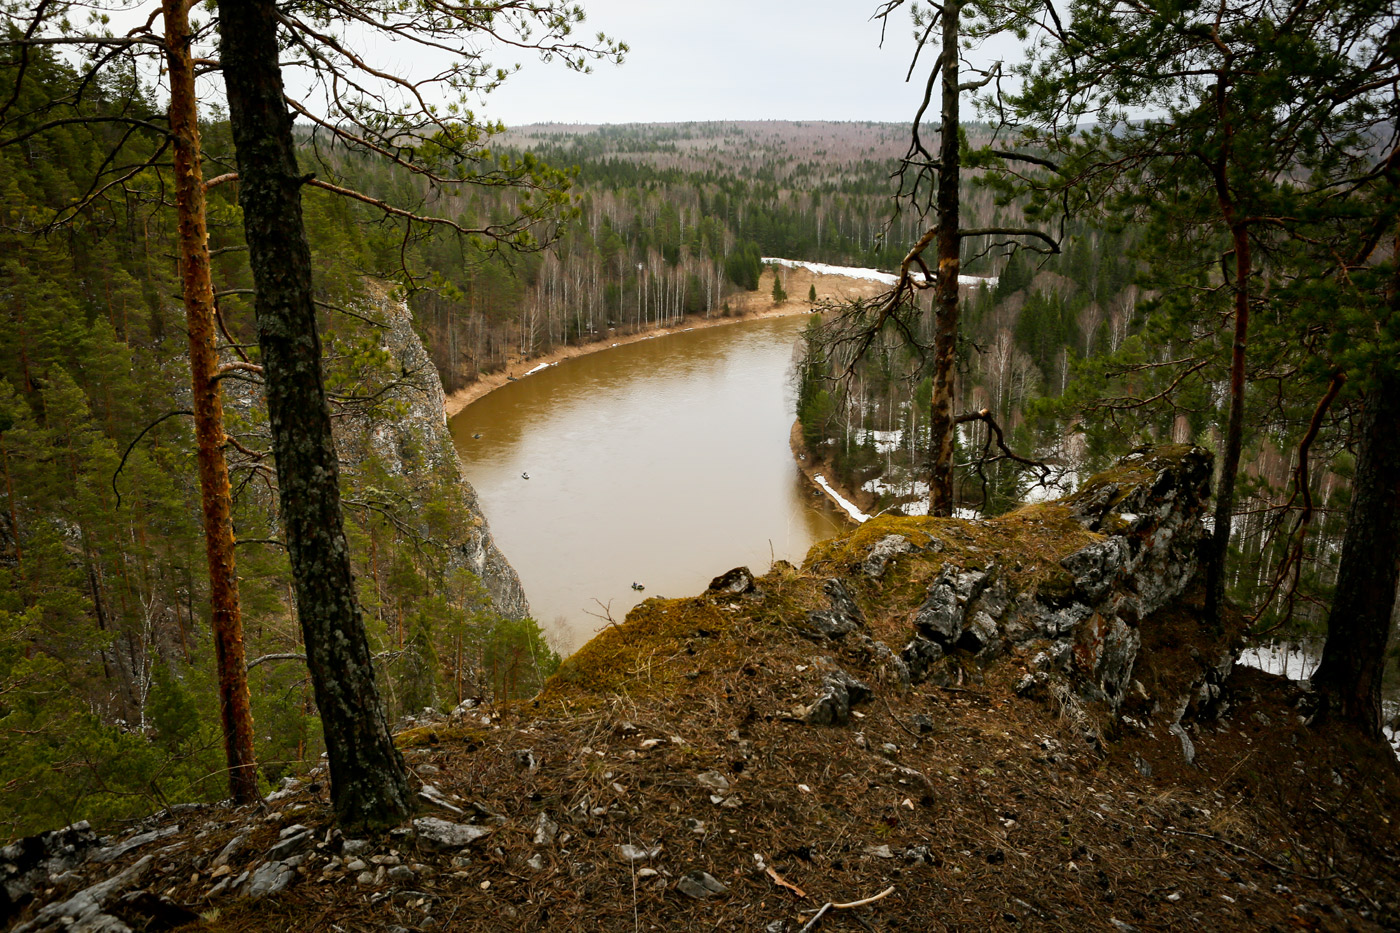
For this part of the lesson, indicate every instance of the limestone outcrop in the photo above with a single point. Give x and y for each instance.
(1095, 595)
(419, 443)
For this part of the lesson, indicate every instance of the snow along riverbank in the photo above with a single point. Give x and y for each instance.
(871, 275)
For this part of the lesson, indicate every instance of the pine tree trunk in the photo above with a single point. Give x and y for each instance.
(945, 332)
(1358, 627)
(1234, 429)
(369, 784)
(226, 620)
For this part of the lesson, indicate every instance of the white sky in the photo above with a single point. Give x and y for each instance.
(691, 61)
(724, 60)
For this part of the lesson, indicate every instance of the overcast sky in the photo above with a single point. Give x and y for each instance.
(724, 60)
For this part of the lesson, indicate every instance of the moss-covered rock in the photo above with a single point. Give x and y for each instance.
(1091, 595)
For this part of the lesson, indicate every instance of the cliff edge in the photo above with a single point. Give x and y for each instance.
(932, 724)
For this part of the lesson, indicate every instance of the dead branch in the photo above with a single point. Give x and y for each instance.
(1301, 486)
(134, 440)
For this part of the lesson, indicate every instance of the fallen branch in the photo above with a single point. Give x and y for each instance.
(829, 906)
(782, 882)
(381, 656)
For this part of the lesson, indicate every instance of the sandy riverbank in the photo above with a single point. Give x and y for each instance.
(745, 306)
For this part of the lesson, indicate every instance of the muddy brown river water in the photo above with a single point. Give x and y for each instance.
(661, 463)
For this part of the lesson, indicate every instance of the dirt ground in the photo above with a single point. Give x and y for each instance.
(674, 744)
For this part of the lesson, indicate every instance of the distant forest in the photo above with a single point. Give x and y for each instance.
(672, 220)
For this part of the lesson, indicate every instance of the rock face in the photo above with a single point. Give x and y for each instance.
(419, 444)
(1083, 630)
(31, 862)
(415, 444)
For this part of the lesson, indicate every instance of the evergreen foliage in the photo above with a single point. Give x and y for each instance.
(106, 669)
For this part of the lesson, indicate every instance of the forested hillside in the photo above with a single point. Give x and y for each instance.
(1208, 255)
(107, 696)
(672, 220)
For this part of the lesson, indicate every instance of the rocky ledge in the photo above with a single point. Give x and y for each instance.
(933, 724)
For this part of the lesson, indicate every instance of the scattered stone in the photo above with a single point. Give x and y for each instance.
(441, 835)
(631, 853)
(734, 582)
(291, 845)
(939, 619)
(526, 759)
(355, 846)
(34, 860)
(879, 851)
(287, 788)
(922, 723)
(365, 877)
(829, 624)
(645, 873)
(1188, 748)
(700, 885)
(839, 598)
(430, 794)
(714, 781)
(112, 853)
(401, 874)
(84, 910)
(883, 552)
(536, 862)
(840, 691)
(356, 865)
(269, 878)
(545, 830)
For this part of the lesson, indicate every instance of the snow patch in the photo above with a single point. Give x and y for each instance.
(884, 441)
(537, 369)
(870, 275)
(1296, 662)
(849, 507)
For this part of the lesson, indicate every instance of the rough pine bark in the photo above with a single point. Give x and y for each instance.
(945, 332)
(226, 620)
(1353, 659)
(369, 784)
(1234, 428)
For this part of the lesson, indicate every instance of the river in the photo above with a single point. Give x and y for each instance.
(662, 463)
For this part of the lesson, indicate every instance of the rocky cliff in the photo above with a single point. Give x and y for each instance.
(418, 445)
(932, 724)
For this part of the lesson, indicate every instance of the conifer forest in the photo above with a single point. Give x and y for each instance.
(1197, 251)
